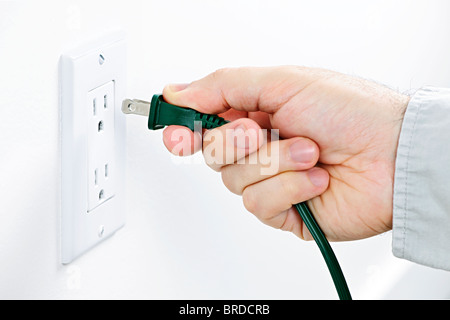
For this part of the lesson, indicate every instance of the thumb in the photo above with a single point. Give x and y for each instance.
(244, 89)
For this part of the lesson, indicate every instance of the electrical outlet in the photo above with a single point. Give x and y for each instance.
(100, 104)
(92, 87)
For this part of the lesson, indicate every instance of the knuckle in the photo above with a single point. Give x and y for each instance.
(229, 179)
(219, 73)
(249, 199)
(291, 186)
(251, 202)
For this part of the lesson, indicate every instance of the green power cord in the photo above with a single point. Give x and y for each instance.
(326, 250)
(161, 114)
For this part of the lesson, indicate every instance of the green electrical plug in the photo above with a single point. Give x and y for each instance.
(161, 114)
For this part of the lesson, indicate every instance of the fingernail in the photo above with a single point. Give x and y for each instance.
(302, 151)
(175, 87)
(318, 177)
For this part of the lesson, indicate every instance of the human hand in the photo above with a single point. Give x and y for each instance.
(353, 122)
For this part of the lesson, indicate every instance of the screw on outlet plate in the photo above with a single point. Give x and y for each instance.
(101, 231)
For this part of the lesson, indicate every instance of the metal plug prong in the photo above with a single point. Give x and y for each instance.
(135, 106)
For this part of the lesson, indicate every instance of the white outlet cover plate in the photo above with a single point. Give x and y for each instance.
(82, 70)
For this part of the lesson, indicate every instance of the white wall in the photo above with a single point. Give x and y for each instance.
(186, 236)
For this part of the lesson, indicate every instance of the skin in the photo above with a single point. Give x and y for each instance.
(339, 136)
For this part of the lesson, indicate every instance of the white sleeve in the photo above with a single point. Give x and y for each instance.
(421, 219)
